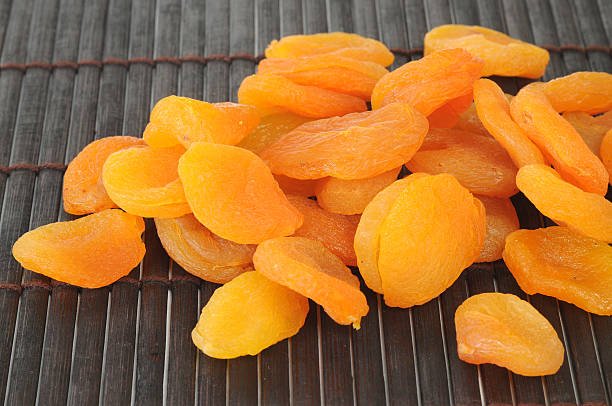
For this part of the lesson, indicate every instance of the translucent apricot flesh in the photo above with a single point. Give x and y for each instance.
(202, 253)
(83, 191)
(590, 92)
(233, 194)
(447, 116)
(144, 181)
(501, 329)
(586, 213)
(310, 269)
(355, 146)
(501, 221)
(558, 140)
(270, 129)
(90, 252)
(591, 129)
(247, 315)
(502, 55)
(559, 262)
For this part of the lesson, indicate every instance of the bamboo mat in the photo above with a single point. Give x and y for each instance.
(72, 71)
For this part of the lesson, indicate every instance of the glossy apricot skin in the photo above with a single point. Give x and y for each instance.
(90, 252)
(591, 129)
(502, 329)
(447, 116)
(354, 146)
(83, 191)
(559, 262)
(270, 129)
(587, 213)
(501, 221)
(558, 140)
(590, 92)
(605, 152)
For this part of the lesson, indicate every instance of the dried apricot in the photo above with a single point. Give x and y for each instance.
(247, 315)
(590, 92)
(355, 146)
(502, 54)
(233, 194)
(277, 94)
(501, 329)
(448, 115)
(587, 213)
(270, 129)
(558, 140)
(337, 43)
(605, 152)
(469, 121)
(144, 181)
(351, 196)
(559, 262)
(478, 162)
(90, 252)
(300, 187)
(183, 120)
(428, 83)
(310, 269)
(501, 221)
(83, 191)
(591, 129)
(202, 253)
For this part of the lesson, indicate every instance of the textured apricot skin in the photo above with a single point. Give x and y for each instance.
(278, 94)
(335, 231)
(183, 120)
(352, 196)
(501, 329)
(83, 191)
(558, 140)
(605, 152)
(355, 146)
(202, 253)
(144, 181)
(90, 252)
(447, 116)
(469, 121)
(493, 111)
(559, 262)
(270, 129)
(478, 162)
(591, 129)
(501, 221)
(247, 315)
(590, 92)
(336, 43)
(327, 71)
(434, 229)
(310, 269)
(502, 55)
(586, 213)
(233, 194)
(430, 82)
(300, 187)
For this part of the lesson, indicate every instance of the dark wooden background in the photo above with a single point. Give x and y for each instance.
(130, 343)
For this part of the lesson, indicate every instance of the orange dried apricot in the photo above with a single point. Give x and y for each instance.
(300, 187)
(478, 162)
(83, 191)
(351, 196)
(559, 262)
(183, 120)
(448, 115)
(355, 146)
(469, 121)
(558, 140)
(270, 129)
(590, 92)
(247, 315)
(144, 181)
(336, 43)
(310, 269)
(502, 54)
(90, 252)
(591, 129)
(233, 194)
(327, 71)
(335, 231)
(501, 329)
(586, 213)
(493, 110)
(501, 221)
(605, 152)
(277, 94)
(428, 83)
(202, 253)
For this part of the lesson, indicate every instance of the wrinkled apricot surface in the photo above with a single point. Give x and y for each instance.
(270, 129)
(591, 129)
(559, 262)
(355, 146)
(202, 253)
(83, 191)
(605, 152)
(232, 192)
(90, 252)
(586, 213)
(310, 269)
(247, 315)
(501, 329)
(590, 92)
(448, 115)
(469, 121)
(501, 221)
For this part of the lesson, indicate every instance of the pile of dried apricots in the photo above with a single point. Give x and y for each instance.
(275, 196)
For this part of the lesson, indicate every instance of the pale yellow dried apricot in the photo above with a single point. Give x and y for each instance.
(591, 129)
(270, 129)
